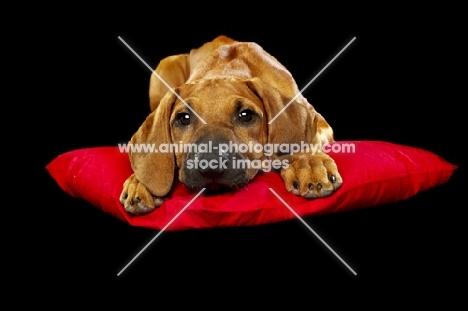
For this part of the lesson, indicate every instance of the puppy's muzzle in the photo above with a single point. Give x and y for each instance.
(212, 167)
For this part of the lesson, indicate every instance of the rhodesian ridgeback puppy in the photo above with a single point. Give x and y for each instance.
(225, 95)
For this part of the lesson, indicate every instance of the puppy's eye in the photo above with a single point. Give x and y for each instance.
(183, 118)
(246, 115)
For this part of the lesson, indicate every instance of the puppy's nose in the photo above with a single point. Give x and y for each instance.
(212, 165)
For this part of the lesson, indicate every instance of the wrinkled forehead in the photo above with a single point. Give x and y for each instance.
(213, 94)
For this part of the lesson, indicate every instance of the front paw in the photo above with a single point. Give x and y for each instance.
(311, 175)
(136, 199)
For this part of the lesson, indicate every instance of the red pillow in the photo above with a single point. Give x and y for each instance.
(376, 173)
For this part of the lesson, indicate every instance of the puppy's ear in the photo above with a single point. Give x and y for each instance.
(155, 170)
(174, 71)
(294, 124)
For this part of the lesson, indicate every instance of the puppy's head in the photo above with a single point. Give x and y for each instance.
(219, 153)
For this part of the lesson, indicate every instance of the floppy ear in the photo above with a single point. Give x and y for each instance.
(296, 123)
(155, 170)
(174, 70)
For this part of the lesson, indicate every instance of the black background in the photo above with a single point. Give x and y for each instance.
(397, 82)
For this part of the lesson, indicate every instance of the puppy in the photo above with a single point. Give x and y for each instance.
(225, 93)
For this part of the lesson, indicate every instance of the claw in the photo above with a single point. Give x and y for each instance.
(296, 184)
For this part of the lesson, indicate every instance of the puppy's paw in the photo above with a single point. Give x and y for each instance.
(136, 198)
(311, 175)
